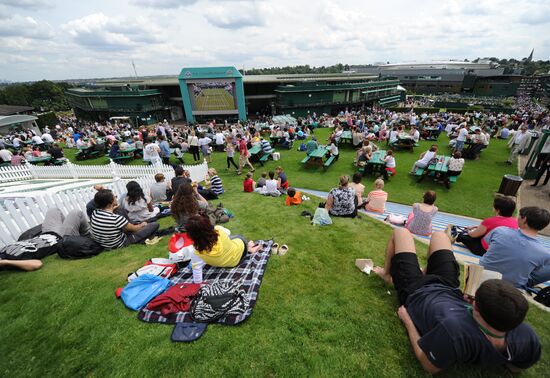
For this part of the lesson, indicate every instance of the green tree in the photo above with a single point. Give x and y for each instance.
(17, 94)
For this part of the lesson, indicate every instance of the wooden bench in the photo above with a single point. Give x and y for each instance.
(305, 160)
(122, 159)
(329, 161)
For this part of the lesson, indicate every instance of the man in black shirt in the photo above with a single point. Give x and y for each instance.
(181, 176)
(446, 328)
(56, 152)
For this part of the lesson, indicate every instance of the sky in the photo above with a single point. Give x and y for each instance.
(78, 39)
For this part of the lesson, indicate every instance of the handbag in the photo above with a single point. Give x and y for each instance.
(181, 247)
(160, 267)
(140, 291)
(219, 299)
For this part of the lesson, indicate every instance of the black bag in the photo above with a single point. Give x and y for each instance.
(543, 296)
(35, 248)
(31, 233)
(219, 299)
(78, 247)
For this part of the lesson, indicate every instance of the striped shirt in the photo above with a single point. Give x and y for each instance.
(216, 185)
(107, 229)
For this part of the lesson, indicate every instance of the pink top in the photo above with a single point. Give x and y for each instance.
(497, 221)
(377, 201)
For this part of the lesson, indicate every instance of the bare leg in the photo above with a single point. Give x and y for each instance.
(28, 265)
(400, 241)
(252, 247)
(438, 241)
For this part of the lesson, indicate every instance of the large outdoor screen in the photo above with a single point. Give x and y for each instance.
(212, 96)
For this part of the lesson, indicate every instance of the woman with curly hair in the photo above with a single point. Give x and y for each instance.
(139, 206)
(187, 202)
(214, 246)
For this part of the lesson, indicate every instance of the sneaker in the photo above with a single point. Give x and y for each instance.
(449, 233)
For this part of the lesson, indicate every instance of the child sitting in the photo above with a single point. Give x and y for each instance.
(262, 180)
(270, 188)
(390, 164)
(248, 183)
(293, 197)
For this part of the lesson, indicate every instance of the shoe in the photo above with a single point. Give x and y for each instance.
(533, 185)
(275, 249)
(364, 265)
(152, 241)
(449, 233)
(283, 250)
(238, 172)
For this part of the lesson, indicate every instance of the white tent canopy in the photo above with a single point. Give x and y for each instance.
(20, 120)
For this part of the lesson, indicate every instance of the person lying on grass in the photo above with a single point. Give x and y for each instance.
(214, 246)
(445, 327)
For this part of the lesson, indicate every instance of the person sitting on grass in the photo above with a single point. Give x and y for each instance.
(419, 220)
(282, 182)
(113, 231)
(516, 253)
(139, 206)
(444, 326)
(341, 201)
(187, 202)
(472, 237)
(261, 181)
(377, 198)
(160, 190)
(248, 183)
(359, 189)
(270, 188)
(213, 245)
(293, 197)
(215, 181)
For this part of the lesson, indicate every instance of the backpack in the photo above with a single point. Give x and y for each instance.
(35, 248)
(217, 214)
(543, 296)
(140, 291)
(160, 267)
(180, 247)
(219, 299)
(78, 247)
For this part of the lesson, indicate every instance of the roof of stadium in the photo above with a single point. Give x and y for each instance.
(249, 79)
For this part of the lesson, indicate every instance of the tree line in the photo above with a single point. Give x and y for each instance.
(41, 95)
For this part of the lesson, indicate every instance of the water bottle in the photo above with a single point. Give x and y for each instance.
(197, 273)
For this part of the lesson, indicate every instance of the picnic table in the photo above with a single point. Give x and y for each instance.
(346, 137)
(432, 133)
(41, 159)
(256, 153)
(404, 142)
(316, 157)
(438, 168)
(376, 163)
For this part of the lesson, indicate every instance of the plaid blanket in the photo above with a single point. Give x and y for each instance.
(252, 269)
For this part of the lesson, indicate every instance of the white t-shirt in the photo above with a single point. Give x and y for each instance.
(151, 151)
(462, 135)
(37, 140)
(390, 161)
(270, 186)
(427, 157)
(47, 138)
(220, 138)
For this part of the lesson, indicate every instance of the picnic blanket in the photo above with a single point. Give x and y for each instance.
(251, 270)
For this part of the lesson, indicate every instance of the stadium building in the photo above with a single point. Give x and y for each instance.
(484, 78)
(199, 94)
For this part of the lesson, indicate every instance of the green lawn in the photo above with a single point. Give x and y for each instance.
(472, 195)
(317, 315)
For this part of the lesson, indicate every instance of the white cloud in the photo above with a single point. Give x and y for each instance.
(99, 32)
(235, 15)
(25, 26)
(100, 38)
(28, 4)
